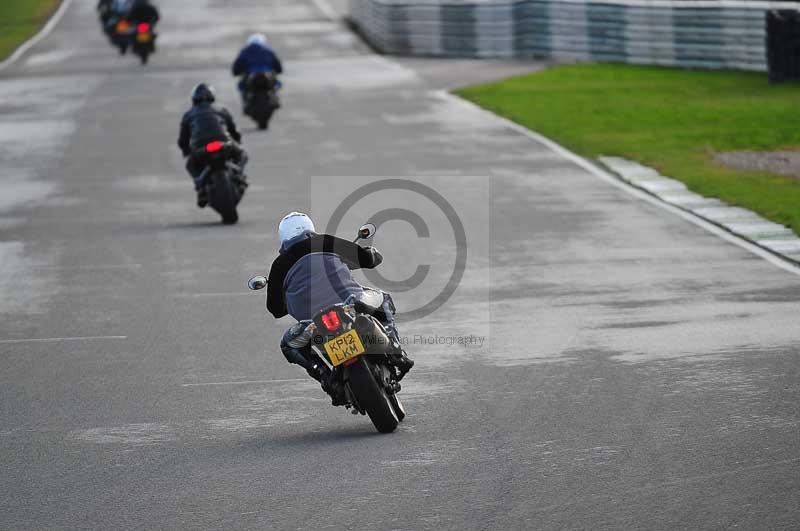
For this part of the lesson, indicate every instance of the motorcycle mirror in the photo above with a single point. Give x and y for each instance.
(366, 231)
(257, 283)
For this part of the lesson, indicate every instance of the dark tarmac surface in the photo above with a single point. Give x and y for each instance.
(627, 369)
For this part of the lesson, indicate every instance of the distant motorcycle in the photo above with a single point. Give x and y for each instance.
(356, 344)
(221, 179)
(261, 97)
(143, 41)
(140, 38)
(119, 32)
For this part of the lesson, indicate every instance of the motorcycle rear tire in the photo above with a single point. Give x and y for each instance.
(264, 117)
(223, 200)
(371, 397)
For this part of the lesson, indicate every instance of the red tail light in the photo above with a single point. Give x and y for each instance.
(331, 321)
(143, 27)
(213, 147)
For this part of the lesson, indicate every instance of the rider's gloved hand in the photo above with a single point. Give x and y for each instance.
(377, 257)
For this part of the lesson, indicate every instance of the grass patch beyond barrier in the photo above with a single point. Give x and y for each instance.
(672, 120)
(20, 20)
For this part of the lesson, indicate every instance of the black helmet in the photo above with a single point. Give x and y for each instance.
(203, 93)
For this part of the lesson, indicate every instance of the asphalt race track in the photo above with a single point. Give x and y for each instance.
(599, 362)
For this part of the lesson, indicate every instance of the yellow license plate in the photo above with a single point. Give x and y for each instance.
(344, 347)
(143, 37)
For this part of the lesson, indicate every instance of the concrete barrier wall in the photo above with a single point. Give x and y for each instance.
(697, 34)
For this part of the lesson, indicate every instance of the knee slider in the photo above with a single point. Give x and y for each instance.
(294, 341)
(293, 355)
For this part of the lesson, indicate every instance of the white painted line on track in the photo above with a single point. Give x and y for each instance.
(57, 339)
(418, 176)
(609, 178)
(87, 267)
(220, 294)
(30, 43)
(245, 382)
(326, 9)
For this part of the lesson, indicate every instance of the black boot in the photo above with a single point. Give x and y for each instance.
(398, 356)
(240, 181)
(403, 363)
(330, 384)
(202, 197)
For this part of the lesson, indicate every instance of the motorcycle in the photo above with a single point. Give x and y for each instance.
(143, 41)
(119, 33)
(261, 97)
(221, 179)
(357, 346)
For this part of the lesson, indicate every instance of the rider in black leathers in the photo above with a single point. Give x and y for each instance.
(205, 123)
(104, 11)
(143, 11)
(111, 12)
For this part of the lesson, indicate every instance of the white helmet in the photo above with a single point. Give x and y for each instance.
(257, 38)
(294, 224)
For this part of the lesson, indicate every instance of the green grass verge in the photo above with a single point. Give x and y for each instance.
(672, 120)
(21, 19)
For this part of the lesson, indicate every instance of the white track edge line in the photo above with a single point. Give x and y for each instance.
(34, 40)
(244, 382)
(611, 179)
(56, 339)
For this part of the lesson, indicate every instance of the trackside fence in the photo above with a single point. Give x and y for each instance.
(694, 34)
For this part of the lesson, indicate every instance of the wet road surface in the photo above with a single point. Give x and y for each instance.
(600, 364)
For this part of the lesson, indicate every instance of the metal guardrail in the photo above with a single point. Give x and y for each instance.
(697, 34)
